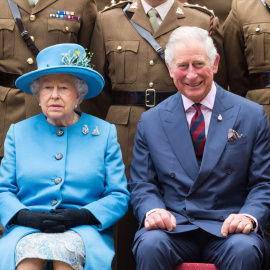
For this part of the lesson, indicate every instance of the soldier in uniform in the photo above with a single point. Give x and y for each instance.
(16, 58)
(136, 78)
(246, 43)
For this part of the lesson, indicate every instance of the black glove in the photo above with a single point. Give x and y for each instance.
(41, 220)
(76, 217)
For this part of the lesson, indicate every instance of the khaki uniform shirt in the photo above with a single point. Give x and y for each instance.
(247, 47)
(15, 57)
(220, 8)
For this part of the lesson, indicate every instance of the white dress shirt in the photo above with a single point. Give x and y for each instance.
(162, 9)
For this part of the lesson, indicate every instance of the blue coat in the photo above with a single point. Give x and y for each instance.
(92, 177)
(234, 176)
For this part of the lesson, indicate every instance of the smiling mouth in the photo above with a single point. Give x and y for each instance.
(194, 85)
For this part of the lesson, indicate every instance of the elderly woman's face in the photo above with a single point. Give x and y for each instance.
(58, 97)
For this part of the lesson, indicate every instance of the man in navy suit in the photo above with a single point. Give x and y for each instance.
(200, 177)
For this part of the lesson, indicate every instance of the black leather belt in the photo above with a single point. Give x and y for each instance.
(8, 79)
(259, 80)
(148, 98)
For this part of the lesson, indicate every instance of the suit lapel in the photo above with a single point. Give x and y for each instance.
(218, 134)
(176, 128)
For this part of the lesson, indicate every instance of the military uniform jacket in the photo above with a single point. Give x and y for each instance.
(220, 8)
(246, 42)
(46, 31)
(129, 63)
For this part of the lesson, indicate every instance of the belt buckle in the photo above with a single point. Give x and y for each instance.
(148, 92)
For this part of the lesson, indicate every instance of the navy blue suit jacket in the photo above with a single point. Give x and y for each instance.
(234, 176)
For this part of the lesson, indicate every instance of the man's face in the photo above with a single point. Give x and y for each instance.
(192, 71)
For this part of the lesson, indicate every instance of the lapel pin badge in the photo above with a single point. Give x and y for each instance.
(179, 11)
(85, 130)
(219, 118)
(96, 131)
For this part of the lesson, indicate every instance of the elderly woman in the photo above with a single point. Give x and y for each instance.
(62, 181)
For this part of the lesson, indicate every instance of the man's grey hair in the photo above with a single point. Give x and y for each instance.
(186, 35)
(80, 86)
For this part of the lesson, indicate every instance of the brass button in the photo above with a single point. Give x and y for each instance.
(258, 29)
(151, 84)
(32, 18)
(172, 175)
(229, 171)
(30, 61)
(66, 28)
(33, 38)
(119, 48)
(191, 219)
(151, 62)
(221, 218)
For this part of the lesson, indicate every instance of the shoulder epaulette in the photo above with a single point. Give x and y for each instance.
(201, 8)
(120, 4)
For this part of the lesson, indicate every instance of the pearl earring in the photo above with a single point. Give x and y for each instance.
(39, 104)
(76, 106)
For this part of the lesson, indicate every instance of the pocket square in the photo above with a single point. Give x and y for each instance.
(232, 135)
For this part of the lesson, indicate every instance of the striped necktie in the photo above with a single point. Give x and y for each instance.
(197, 132)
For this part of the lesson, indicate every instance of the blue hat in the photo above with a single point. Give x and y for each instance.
(65, 58)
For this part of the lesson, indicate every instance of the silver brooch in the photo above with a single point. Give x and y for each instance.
(179, 11)
(95, 132)
(85, 130)
(219, 118)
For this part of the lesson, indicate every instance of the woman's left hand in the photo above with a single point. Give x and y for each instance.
(75, 217)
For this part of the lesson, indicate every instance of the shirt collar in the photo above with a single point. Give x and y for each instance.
(162, 9)
(208, 101)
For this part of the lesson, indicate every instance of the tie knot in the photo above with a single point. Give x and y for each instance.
(152, 13)
(197, 106)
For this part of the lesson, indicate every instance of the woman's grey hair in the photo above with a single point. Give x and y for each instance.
(80, 86)
(187, 35)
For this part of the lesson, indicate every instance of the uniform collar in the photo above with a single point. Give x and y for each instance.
(162, 9)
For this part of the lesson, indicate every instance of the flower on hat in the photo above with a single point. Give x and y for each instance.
(77, 59)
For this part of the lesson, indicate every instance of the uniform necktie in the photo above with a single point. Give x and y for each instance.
(197, 132)
(153, 18)
(32, 3)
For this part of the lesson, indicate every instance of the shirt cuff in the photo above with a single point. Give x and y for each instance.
(153, 210)
(256, 222)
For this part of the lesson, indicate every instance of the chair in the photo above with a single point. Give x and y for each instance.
(196, 266)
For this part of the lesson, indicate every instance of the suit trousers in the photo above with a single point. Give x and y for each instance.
(161, 250)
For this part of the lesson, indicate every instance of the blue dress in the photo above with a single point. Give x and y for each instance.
(82, 168)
